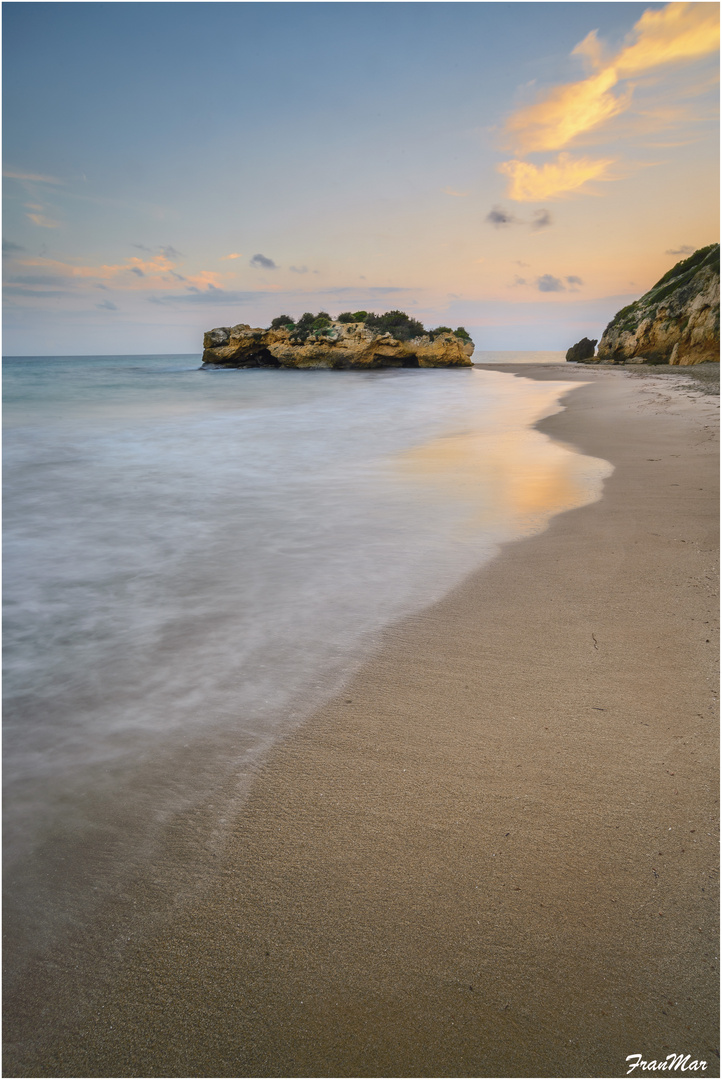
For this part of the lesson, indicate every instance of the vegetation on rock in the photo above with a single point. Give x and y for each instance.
(706, 256)
(398, 324)
(676, 321)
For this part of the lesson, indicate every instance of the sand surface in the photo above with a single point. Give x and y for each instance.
(495, 853)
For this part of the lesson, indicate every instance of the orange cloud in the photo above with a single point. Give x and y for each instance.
(233, 255)
(135, 274)
(43, 221)
(677, 34)
(535, 183)
(566, 112)
(206, 278)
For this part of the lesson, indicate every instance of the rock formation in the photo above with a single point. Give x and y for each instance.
(583, 350)
(676, 322)
(338, 345)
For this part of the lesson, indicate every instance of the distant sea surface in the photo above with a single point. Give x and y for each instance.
(194, 560)
(511, 356)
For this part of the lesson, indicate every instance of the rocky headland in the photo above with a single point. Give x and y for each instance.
(583, 350)
(357, 340)
(676, 322)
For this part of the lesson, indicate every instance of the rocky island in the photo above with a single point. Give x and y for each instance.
(355, 340)
(676, 322)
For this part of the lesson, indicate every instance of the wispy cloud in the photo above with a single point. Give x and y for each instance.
(107, 305)
(565, 113)
(456, 194)
(39, 218)
(9, 248)
(360, 296)
(233, 255)
(679, 32)
(211, 296)
(36, 279)
(35, 178)
(364, 290)
(676, 35)
(685, 249)
(156, 272)
(298, 269)
(12, 290)
(167, 250)
(531, 183)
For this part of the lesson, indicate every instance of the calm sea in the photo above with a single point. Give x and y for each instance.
(194, 560)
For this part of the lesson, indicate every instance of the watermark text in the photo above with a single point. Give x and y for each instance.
(672, 1063)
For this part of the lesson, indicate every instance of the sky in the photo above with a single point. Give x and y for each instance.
(521, 169)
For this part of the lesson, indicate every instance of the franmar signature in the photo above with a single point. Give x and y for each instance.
(676, 1062)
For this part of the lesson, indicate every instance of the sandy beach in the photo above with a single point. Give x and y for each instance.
(495, 853)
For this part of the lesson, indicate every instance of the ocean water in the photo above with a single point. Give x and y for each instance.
(194, 560)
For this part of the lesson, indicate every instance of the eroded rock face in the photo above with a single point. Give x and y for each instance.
(583, 350)
(676, 322)
(342, 345)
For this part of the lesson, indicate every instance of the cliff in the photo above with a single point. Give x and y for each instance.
(676, 322)
(339, 345)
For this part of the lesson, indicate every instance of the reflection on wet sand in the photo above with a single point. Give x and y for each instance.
(510, 479)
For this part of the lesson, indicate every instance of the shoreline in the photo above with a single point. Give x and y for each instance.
(452, 869)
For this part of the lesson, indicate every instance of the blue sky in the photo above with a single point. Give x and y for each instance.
(523, 169)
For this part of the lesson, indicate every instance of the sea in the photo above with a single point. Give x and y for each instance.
(196, 559)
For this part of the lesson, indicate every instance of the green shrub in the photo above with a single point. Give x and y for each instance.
(310, 324)
(706, 256)
(625, 319)
(397, 323)
(345, 317)
(281, 321)
(359, 316)
(461, 332)
(302, 328)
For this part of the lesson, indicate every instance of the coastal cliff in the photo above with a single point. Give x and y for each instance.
(676, 322)
(365, 343)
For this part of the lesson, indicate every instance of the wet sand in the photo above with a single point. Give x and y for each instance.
(494, 854)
